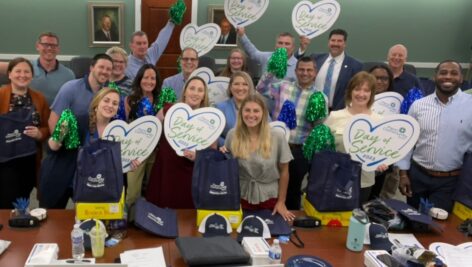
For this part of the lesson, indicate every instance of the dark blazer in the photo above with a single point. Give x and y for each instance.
(231, 38)
(349, 68)
(101, 37)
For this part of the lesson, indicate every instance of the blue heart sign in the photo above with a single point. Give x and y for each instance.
(138, 139)
(380, 142)
(187, 129)
(312, 20)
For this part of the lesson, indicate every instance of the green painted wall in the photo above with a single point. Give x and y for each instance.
(433, 30)
(23, 20)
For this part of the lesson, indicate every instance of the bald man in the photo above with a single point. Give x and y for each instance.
(403, 81)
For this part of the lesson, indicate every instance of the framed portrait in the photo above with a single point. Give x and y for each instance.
(228, 38)
(105, 24)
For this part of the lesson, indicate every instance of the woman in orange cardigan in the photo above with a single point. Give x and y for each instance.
(24, 115)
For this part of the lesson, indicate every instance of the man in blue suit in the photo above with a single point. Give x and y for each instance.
(335, 69)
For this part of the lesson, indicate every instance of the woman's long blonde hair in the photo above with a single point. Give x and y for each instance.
(94, 105)
(240, 145)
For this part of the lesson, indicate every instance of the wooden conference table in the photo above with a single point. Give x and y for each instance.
(325, 242)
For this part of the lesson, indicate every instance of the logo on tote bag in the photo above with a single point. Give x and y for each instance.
(96, 182)
(218, 189)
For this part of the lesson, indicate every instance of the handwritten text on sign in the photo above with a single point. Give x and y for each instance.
(202, 38)
(217, 86)
(242, 13)
(380, 142)
(312, 20)
(187, 129)
(138, 139)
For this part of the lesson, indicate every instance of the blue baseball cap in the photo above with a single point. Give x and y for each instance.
(215, 225)
(277, 224)
(253, 226)
(158, 221)
(378, 236)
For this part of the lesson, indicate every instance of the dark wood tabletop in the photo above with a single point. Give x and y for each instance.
(325, 242)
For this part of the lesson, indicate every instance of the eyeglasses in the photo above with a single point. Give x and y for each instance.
(118, 61)
(191, 59)
(382, 78)
(236, 58)
(47, 45)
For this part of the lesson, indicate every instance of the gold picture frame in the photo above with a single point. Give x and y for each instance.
(216, 14)
(105, 24)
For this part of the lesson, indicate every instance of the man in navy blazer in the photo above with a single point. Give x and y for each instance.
(344, 68)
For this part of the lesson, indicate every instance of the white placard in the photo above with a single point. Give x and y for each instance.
(201, 38)
(138, 139)
(242, 13)
(217, 86)
(387, 103)
(187, 129)
(280, 126)
(312, 19)
(381, 142)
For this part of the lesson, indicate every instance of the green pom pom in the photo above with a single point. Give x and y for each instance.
(66, 130)
(277, 64)
(167, 96)
(319, 139)
(316, 108)
(113, 85)
(176, 12)
(179, 66)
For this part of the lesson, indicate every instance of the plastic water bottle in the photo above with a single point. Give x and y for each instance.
(77, 236)
(275, 252)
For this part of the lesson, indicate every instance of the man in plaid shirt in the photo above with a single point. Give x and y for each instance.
(298, 92)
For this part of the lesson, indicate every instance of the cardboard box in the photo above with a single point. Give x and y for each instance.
(234, 216)
(101, 211)
(462, 211)
(42, 253)
(327, 218)
(258, 249)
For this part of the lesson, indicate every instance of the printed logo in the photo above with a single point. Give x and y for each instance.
(269, 221)
(344, 193)
(155, 219)
(411, 212)
(382, 235)
(251, 229)
(216, 226)
(96, 182)
(13, 136)
(218, 189)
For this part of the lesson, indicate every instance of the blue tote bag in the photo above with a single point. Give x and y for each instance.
(463, 192)
(334, 182)
(13, 143)
(215, 181)
(99, 175)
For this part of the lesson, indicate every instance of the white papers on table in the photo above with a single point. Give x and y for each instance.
(453, 256)
(405, 239)
(148, 257)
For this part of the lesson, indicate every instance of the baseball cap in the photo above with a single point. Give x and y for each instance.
(277, 224)
(253, 226)
(158, 221)
(215, 225)
(378, 235)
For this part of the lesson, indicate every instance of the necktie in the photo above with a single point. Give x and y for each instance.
(329, 78)
(108, 36)
(222, 38)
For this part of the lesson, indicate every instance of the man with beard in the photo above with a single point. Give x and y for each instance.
(432, 168)
(335, 69)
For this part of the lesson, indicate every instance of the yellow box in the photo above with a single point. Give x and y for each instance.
(326, 217)
(102, 211)
(462, 211)
(234, 216)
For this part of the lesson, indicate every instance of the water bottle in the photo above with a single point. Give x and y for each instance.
(77, 236)
(275, 252)
(356, 231)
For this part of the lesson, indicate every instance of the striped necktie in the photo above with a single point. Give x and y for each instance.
(329, 78)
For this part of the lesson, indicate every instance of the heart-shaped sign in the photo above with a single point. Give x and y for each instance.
(453, 256)
(381, 142)
(242, 13)
(202, 38)
(280, 126)
(312, 20)
(217, 86)
(387, 103)
(187, 129)
(138, 139)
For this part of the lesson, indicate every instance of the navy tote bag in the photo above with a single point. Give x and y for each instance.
(215, 181)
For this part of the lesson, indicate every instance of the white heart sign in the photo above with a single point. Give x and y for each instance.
(381, 142)
(452, 255)
(138, 139)
(242, 13)
(280, 126)
(202, 38)
(217, 86)
(312, 20)
(387, 103)
(187, 129)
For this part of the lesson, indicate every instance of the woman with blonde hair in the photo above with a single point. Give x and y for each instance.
(263, 156)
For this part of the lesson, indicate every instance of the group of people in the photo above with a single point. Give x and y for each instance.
(271, 169)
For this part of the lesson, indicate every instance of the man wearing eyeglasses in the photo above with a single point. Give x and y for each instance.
(189, 63)
(49, 74)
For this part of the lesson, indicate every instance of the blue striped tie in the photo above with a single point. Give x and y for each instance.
(329, 78)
